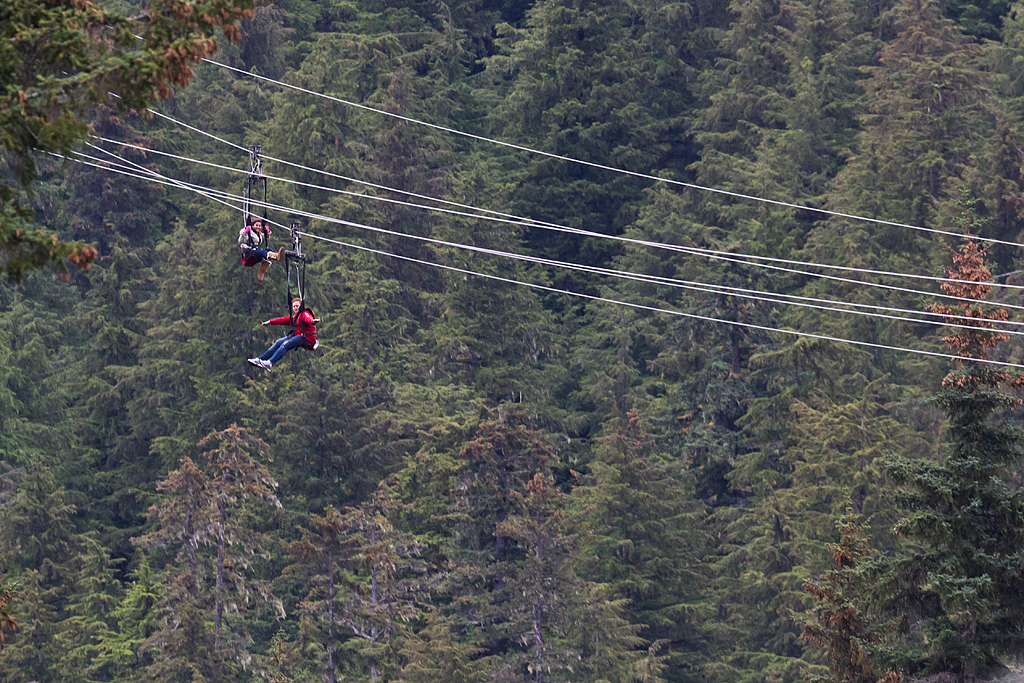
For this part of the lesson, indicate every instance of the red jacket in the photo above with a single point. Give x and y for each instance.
(304, 326)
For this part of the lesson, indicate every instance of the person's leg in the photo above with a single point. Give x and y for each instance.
(251, 258)
(252, 255)
(266, 355)
(289, 344)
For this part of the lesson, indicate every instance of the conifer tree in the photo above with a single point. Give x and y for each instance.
(434, 655)
(809, 451)
(952, 594)
(65, 583)
(181, 644)
(189, 358)
(360, 588)
(37, 548)
(555, 622)
(600, 82)
(88, 623)
(838, 622)
(643, 537)
(500, 460)
(237, 482)
(384, 584)
(196, 516)
(110, 315)
(317, 565)
(134, 620)
(919, 142)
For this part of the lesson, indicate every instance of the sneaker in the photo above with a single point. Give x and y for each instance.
(255, 361)
(266, 365)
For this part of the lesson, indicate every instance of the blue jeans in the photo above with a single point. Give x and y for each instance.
(282, 346)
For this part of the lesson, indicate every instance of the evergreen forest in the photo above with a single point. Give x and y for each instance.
(659, 342)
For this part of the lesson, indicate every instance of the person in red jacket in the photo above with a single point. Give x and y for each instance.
(303, 334)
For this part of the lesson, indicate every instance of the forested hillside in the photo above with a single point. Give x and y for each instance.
(659, 342)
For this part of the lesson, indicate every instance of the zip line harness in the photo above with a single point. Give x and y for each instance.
(256, 178)
(295, 263)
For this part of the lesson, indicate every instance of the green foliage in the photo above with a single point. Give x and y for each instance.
(59, 59)
(837, 623)
(434, 655)
(963, 514)
(554, 622)
(467, 490)
(134, 620)
(643, 535)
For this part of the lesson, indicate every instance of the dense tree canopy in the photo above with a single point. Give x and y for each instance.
(58, 59)
(685, 474)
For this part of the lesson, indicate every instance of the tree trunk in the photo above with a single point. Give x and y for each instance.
(330, 617)
(217, 600)
(735, 338)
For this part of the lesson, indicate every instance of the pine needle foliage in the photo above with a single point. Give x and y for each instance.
(839, 623)
(954, 595)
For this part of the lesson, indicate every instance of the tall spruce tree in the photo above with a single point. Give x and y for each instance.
(384, 586)
(643, 536)
(600, 82)
(555, 623)
(38, 549)
(918, 145)
(839, 623)
(212, 509)
(317, 567)
(435, 655)
(496, 463)
(953, 594)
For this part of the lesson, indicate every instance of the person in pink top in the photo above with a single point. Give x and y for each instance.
(303, 334)
(253, 240)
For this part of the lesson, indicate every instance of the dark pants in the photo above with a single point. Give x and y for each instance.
(250, 257)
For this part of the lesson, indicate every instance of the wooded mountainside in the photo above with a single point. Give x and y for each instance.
(473, 480)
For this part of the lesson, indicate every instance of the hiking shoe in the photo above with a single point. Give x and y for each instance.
(255, 361)
(265, 364)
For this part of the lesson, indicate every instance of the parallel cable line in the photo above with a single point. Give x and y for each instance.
(651, 279)
(656, 280)
(530, 222)
(654, 309)
(707, 253)
(613, 169)
(555, 290)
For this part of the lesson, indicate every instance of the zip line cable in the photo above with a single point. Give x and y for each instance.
(656, 280)
(590, 297)
(702, 287)
(566, 292)
(613, 169)
(708, 253)
(554, 290)
(529, 222)
(651, 279)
